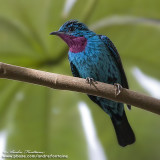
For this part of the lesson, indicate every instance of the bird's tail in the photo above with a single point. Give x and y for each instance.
(124, 132)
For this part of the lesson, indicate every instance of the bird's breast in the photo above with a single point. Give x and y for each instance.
(91, 62)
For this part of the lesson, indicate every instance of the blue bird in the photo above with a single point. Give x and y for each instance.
(95, 56)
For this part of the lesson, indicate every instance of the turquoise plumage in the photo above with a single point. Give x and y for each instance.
(95, 56)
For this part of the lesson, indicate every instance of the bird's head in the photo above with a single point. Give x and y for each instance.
(75, 34)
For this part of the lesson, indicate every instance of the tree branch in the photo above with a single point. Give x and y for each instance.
(63, 82)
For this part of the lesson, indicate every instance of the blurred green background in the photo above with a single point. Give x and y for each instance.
(37, 118)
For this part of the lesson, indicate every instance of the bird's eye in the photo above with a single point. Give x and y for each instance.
(71, 29)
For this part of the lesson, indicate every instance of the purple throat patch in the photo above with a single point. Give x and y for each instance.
(76, 44)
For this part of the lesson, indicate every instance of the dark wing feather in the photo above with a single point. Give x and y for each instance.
(74, 70)
(94, 99)
(117, 59)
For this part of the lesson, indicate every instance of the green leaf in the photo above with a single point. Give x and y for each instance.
(37, 118)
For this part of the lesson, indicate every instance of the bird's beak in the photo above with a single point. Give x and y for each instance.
(57, 33)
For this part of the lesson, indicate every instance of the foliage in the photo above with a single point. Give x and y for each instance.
(38, 118)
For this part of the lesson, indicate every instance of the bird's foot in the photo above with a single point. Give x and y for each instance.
(118, 88)
(90, 81)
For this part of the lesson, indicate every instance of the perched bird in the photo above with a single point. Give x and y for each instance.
(95, 57)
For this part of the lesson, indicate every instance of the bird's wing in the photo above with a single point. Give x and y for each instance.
(74, 70)
(117, 59)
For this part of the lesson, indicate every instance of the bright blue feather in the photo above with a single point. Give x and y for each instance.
(95, 56)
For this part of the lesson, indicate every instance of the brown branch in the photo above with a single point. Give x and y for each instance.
(63, 82)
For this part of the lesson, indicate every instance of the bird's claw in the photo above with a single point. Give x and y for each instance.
(90, 80)
(118, 88)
